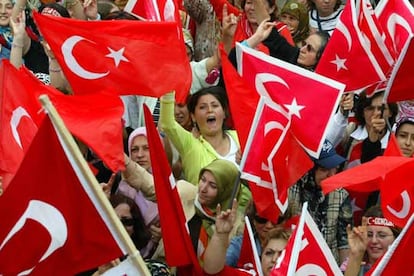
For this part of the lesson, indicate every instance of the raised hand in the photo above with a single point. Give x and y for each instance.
(225, 219)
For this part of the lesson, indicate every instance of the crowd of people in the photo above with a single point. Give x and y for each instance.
(204, 151)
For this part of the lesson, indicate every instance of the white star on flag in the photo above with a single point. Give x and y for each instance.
(340, 63)
(355, 207)
(294, 108)
(117, 55)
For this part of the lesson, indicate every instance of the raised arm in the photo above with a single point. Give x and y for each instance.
(215, 254)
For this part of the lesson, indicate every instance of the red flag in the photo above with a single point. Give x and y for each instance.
(397, 17)
(349, 52)
(401, 81)
(96, 119)
(366, 177)
(306, 252)
(175, 237)
(272, 158)
(397, 260)
(218, 8)
(19, 119)
(131, 57)
(242, 99)
(393, 149)
(295, 90)
(53, 216)
(397, 194)
(154, 10)
(249, 258)
(378, 40)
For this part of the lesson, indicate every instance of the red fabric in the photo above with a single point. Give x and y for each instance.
(96, 120)
(242, 99)
(248, 252)
(348, 52)
(381, 44)
(231, 271)
(177, 244)
(273, 159)
(314, 256)
(397, 260)
(19, 119)
(56, 213)
(393, 149)
(397, 17)
(397, 194)
(401, 81)
(294, 89)
(218, 8)
(124, 58)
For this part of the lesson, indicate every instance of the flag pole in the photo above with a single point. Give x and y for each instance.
(103, 201)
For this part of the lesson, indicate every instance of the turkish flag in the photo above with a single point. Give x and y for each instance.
(310, 99)
(249, 258)
(176, 237)
(397, 194)
(377, 39)
(49, 213)
(397, 17)
(19, 119)
(218, 8)
(155, 10)
(398, 260)
(131, 57)
(243, 99)
(100, 112)
(272, 158)
(306, 252)
(401, 81)
(392, 149)
(349, 52)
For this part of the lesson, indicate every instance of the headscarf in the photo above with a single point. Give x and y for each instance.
(225, 174)
(298, 10)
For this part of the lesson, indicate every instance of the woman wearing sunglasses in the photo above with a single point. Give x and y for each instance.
(369, 242)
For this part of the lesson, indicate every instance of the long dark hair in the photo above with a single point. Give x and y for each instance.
(141, 235)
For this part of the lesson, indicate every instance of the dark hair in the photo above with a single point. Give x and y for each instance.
(141, 235)
(105, 7)
(324, 41)
(277, 233)
(272, 3)
(365, 101)
(216, 91)
(376, 211)
(403, 121)
(117, 15)
(57, 7)
(337, 5)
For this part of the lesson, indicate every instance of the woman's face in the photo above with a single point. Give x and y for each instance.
(140, 151)
(249, 10)
(374, 111)
(379, 238)
(263, 226)
(325, 7)
(209, 115)
(182, 116)
(207, 189)
(405, 139)
(270, 254)
(291, 22)
(124, 214)
(6, 7)
(308, 51)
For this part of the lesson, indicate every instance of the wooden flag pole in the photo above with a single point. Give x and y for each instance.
(96, 189)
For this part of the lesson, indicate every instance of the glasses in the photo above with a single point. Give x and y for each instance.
(308, 47)
(128, 221)
(378, 235)
(260, 220)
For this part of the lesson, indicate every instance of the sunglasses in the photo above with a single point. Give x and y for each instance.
(260, 220)
(308, 47)
(128, 221)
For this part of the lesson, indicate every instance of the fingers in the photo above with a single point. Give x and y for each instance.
(111, 181)
(225, 11)
(218, 209)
